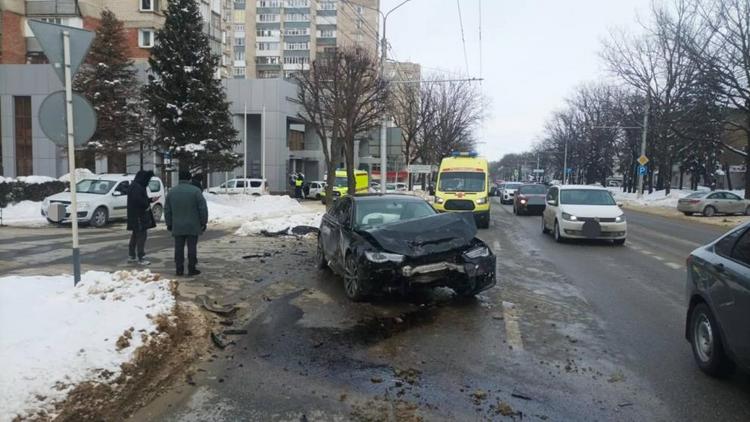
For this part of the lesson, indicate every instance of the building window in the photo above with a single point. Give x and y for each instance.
(296, 60)
(146, 37)
(239, 55)
(267, 32)
(147, 5)
(269, 74)
(327, 5)
(239, 71)
(268, 3)
(267, 60)
(359, 23)
(296, 45)
(22, 124)
(238, 27)
(239, 5)
(268, 17)
(360, 10)
(297, 31)
(297, 17)
(239, 41)
(263, 46)
(297, 3)
(327, 33)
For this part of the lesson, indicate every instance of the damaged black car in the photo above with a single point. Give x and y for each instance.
(395, 243)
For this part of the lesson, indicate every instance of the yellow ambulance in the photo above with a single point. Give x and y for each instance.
(462, 186)
(341, 185)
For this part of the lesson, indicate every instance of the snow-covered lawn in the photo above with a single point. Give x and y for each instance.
(24, 213)
(254, 214)
(657, 198)
(54, 336)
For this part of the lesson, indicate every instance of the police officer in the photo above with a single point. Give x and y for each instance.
(298, 186)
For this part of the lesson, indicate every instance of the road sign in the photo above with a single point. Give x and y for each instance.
(642, 170)
(420, 168)
(538, 170)
(643, 160)
(52, 119)
(49, 36)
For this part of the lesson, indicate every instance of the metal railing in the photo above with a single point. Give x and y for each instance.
(52, 8)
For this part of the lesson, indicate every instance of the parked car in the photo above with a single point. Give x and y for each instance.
(255, 187)
(718, 287)
(710, 203)
(316, 189)
(388, 243)
(583, 212)
(395, 187)
(530, 199)
(103, 198)
(509, 190)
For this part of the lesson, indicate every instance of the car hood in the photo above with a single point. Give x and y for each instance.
(81, 197)
(424, 236)
(601, 211)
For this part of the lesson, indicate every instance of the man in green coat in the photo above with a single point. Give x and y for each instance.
(186, 215)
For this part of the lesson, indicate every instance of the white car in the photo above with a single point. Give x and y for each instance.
(395, 187)
(104, 197)
(316, 189)
(583, 212)
(508, 192)
(255, 187)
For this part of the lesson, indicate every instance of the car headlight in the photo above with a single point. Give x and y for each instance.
(82, 206)
(479, 252)
(481, 201)
(439, 200)
(569, 217)
(381, 257)
(620, 218)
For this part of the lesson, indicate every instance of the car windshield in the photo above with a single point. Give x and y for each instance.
(513, 186)
(372, 213)
(696, 195)
(586, 197)
(341, 182)
(99, 187)
(462, 182)
(533, 189)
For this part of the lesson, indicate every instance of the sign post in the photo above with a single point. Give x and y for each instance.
(68, 56)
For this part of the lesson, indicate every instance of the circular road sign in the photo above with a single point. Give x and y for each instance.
(52, 119)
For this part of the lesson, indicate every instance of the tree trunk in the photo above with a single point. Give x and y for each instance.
(727, 175)
(668, 187)
(747, 161)
(682, 174)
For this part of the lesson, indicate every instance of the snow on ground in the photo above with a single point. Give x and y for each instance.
(31, 180)
(657, 198)
(24, 213)
(258, 213)
(80, 175)
(54, 336)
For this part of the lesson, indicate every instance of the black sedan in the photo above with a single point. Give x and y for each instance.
(718, 285)
(393, 243)
(529, 199)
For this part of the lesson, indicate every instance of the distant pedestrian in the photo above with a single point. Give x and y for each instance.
(298, 186)
(186, 215)
(140, 217)
(197, 181)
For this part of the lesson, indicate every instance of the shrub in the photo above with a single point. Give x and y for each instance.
(15, 191)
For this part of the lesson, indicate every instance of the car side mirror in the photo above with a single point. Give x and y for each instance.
(117, 193)
(619, 204)
(551, 202)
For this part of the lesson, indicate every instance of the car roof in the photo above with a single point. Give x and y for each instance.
(118, 177)
(581, 187)
(375, 196)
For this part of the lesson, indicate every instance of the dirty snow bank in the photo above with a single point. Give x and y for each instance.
(24, 213)
(255, 214)
(54, 336)
(657, 198)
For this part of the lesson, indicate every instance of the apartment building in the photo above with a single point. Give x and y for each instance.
(141, 19)
(275, 38)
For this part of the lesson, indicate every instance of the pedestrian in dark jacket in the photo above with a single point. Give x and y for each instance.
(140, 217)
(186, 215)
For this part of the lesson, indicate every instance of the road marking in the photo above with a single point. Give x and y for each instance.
(646, 252)
(657, 257)
(496, 245)
(512, 329)
(673, 266)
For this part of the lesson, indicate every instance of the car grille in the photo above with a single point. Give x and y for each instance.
(459, 204)
(60, 202)
(601, 220)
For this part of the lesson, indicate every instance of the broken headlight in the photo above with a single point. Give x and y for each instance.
(479, 252)
(381, 257)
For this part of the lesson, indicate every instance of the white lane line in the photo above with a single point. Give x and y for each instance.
(644, 251)
(673, 266)
(512, 329)
(657, 257)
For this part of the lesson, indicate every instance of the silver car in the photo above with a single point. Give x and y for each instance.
(710, 203)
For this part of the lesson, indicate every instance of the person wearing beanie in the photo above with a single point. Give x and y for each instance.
(186, 215)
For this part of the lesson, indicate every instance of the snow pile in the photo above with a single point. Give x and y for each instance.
(29, 180)
(657, 198)
(80, 175)
(24, 213)
(54, 336)
(257, 213)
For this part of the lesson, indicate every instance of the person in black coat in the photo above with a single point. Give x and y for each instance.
(197, 181)
(140, 218)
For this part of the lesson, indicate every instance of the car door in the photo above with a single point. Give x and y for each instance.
(718, 281)
(550, 209)
(739, 283)
(119, 201)
(330, 232)
(715, 200)
(734, 203)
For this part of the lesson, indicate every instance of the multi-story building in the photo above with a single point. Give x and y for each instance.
(141, 19)
(275, 38)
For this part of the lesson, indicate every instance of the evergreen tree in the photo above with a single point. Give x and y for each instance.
(188, 102)
(108, 81)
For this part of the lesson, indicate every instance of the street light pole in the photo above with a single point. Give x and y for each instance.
(643, 145)
(565, 163)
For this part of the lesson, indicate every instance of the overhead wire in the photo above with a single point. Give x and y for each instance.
(463, 38)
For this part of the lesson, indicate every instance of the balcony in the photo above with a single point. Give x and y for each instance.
(52, 8)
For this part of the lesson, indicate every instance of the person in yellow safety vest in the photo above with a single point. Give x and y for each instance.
(298, 187)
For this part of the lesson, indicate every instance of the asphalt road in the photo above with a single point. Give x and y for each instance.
(576, 331)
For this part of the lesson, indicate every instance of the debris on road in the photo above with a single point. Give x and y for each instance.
(235, 332)
(223, 310)
(219, 340)
(376, 379)
(519, 395)
(616, 377)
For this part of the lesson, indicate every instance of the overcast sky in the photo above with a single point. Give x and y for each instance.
(534, 52)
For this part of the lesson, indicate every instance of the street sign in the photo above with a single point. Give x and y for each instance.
(538, 170)
(419, 168)
(737, 169)
(52, 119)
(643, 160)
(642, 170)
(49, 36)
(568, 170)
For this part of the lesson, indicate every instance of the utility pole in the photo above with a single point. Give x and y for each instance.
(244, 153)
(643, 144)
(565, 163)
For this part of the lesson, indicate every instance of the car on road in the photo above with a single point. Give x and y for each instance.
(316, 189)
(103, 198)
(530, 198)
(711, 203)
(718, 290)
(394, 243)
(255, 187)
(508, 191)
(395, 187)
(583, 212)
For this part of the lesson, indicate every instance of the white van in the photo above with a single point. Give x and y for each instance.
(255, 187)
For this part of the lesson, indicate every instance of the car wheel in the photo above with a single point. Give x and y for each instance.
(619, 242)
(320, 258)
(558, 236)
(99, 217)
(545, 230)
(706, 342)
(317, 196)
(352, 281)
(709, 211)
(158, 211)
